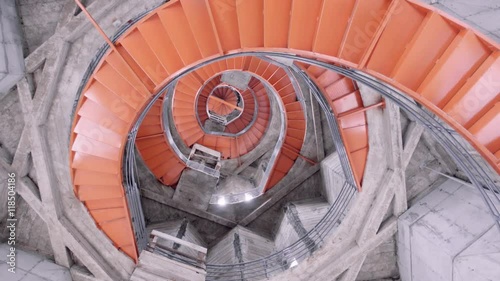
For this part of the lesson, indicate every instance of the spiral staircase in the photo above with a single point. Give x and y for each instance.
(167, 72)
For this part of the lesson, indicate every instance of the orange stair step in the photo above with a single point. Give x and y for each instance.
(95, 192)
(420, 56)
(456, 65)
(477, 95)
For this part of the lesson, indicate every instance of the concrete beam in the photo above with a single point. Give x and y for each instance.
(46, 90)
(352, 256)
(34, 114)
(81, 274)
(352, 273)
(393, 133)
(379, 207)
(5, 158)
(85, 252)
(21, 163)
(322, 268)
(440, 154)
(410, 141)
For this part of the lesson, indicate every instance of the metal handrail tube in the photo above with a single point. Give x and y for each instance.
(443, 135)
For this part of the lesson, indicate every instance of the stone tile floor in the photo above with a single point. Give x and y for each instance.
(31, 267)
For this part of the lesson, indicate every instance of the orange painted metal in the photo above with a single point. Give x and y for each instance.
(485, 130)
(426, 48)
(332, 25)
(158, 40)
(137, 47)
(276, 23)
(420, 56)
(303, 24)
(251, 23)
(226, 22)
(182, 37)
(478, 94)
(202, 26)
(462, 58)
(348, 108)
(365, 21)
(393, 42)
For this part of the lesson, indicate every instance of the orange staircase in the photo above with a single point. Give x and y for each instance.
(153, 146)
(190, 131)
(436, 60)
(223, 101)
(345, 100)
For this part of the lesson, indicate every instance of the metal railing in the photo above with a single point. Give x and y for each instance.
(159, 243)
(332, 124)
(254, 115)
(130, 183)
(291, 255)
(233, 198)
(299, 250)
(448, 138)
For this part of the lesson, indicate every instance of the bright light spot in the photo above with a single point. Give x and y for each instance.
(248, 197)
(222, 201)
(294, 263)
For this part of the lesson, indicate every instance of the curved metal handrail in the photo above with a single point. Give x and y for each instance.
(263, 267)
(236, 92)
(254, 116)
(244, 196)
(280, 261)
(444, 136)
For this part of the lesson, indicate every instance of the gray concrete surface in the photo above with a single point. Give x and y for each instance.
(66, 56)
(11, 48)
(449, 235)
(31, 267)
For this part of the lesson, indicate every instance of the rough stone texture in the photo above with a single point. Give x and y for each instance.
(32, 232)
(449, 235)
(39, 19)
(480, 14)
(239, 245)
(333, 177)
(419, 179)
(380, 263)
(195, 189)
(11, 122)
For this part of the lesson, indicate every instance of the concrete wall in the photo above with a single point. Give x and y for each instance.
(333, 177)
(380, 263)
(449, 235)
(40, 19)
(31, 267)
(240, 245)
(11, 50)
